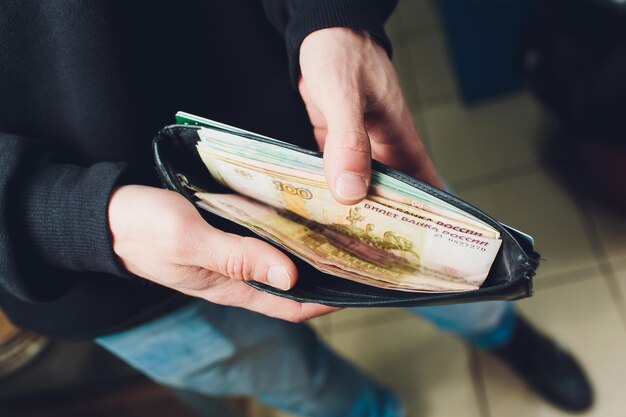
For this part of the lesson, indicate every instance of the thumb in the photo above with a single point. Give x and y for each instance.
(347, 155)
(246, 258)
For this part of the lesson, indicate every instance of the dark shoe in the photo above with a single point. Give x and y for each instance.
(546, 368)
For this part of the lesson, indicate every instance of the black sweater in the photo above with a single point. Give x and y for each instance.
(84, 85)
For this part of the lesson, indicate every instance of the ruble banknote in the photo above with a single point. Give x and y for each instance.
(400, 237)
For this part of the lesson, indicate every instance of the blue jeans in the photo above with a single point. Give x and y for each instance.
(220, 351)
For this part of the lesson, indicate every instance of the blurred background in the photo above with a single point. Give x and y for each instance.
(521, 104)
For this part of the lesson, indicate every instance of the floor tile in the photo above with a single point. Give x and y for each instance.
(415, 33)
(428, 369)
(321, 324)
(543, 281)
(264, 412)
(619, 263)
(394, 27)
(255, 409)
(351, 319)
(620, 275)
(420, 124)
(619, 266)
(583, 318)
(423, 20)
(471, 142)
(535, 204)
(413, 20)
(433, 73)
(611, 228)
(424, 366)
(406, 74)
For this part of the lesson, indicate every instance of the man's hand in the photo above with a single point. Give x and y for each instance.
(355, 104)
(159, 235)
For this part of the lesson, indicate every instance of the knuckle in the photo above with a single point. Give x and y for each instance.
(237, 263)
(355, 141)
(234, 265)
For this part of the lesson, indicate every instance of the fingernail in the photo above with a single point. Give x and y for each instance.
(278, 277)
(351, 186)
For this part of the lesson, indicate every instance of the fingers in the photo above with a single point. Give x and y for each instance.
(347, 153)
(242, 258)
(171, 244)
(320, 130)
(338, 125)
(245, 258)
(334, 94)
(395, 142)
(238, 293)
(286, 309)
(348, 78)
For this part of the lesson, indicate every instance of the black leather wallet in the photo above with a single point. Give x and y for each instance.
(510, 277)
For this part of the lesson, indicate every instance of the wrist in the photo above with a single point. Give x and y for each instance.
(312, 16)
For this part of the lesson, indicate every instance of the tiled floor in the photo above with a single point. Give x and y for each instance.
(490, 155)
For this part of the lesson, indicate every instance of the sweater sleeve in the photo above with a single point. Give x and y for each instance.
(295, 19)
(53, 215)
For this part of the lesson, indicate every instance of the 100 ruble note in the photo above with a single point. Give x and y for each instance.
(422, 245)
(326, 249)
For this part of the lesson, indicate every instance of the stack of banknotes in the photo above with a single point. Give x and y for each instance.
(399, 237)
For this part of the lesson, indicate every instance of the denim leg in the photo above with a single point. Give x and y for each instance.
(485, 324)
(220, 351)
